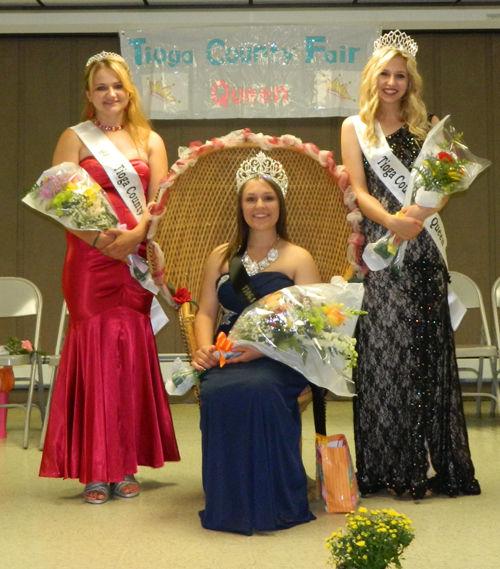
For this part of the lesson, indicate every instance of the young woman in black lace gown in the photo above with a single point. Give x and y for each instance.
(410, 430)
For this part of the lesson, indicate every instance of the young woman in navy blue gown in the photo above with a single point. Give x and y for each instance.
(253, 475)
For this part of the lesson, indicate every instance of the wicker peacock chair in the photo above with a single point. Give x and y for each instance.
(200, 213)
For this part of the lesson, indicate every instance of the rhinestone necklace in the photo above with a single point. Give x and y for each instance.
(107, 127)
(253, 267)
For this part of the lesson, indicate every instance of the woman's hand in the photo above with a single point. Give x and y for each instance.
(103, 240)
(405, 227)
(247, 354)
(123, 244)
(204, 359)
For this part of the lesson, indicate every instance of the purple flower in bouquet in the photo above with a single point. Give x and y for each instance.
(50, 186)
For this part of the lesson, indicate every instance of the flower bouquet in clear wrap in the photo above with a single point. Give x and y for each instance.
(307, 327)
(68, 194)
(444, 166)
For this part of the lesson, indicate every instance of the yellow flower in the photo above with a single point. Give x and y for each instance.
(71, 186)
(392, 248)
(334, 314)
(360, 543)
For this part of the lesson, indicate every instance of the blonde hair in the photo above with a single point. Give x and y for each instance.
(135, 121)
(413, 111)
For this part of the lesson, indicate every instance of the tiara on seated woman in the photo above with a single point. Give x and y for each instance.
(105, 55)
(262, 166)
(397, 39)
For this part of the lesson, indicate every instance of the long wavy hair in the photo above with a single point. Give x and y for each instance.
(135, 121)
(239, 241)
(413, 111)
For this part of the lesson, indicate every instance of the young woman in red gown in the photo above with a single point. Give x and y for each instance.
(109, 411)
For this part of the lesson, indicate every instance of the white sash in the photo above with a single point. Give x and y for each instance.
(129, 186)
(119, 170)
(397, 178)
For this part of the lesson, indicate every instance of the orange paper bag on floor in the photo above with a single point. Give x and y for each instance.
(335, 474)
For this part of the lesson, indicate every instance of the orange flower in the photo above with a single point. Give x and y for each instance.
(334, 314)
(223, 345)
(273, 300)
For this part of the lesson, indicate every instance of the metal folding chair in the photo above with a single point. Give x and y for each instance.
(20, 298)
(495, 305)
(469, 293)
(52, 361)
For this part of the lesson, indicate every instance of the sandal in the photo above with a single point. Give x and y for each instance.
(127, 488)
(96, 493)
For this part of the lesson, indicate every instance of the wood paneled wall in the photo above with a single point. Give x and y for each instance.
(41, 94)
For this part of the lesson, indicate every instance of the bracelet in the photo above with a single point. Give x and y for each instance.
(96, 239)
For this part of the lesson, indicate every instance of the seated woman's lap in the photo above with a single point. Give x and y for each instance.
(262, 377)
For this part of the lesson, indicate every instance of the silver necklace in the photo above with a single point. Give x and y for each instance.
(253, 267)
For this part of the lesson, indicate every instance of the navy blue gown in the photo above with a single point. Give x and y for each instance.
(253, 475)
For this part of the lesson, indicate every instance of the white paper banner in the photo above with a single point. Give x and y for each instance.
(248, 71)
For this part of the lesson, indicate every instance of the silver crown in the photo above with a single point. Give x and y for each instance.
(397, 39)
(262, 166)
(105, 55)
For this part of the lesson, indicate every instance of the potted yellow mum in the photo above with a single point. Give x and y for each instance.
(372, 539)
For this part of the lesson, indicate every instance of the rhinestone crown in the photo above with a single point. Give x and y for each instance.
(399, 40)
(105, 55)
(262, 166)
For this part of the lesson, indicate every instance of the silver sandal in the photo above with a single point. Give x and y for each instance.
(99, 488)
(119, 487)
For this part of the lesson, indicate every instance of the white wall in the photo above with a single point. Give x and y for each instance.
(111, 21)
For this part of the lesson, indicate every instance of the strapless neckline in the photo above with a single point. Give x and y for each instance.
(256, 275)
(129, 159)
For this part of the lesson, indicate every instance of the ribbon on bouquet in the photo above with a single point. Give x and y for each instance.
(223, 347)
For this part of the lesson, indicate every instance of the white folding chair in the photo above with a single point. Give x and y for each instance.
(52, 361)
(495, 305)
(20, 298)
(469, 293)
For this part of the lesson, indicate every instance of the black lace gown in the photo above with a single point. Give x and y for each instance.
(409, 425)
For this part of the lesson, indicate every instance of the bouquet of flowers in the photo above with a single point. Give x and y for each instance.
(68, 194)
(308, 328)
(182, 378)
(372, 539)
(15, 346)
(444, 166)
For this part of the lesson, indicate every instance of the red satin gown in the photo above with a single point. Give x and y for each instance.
(109, 410)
